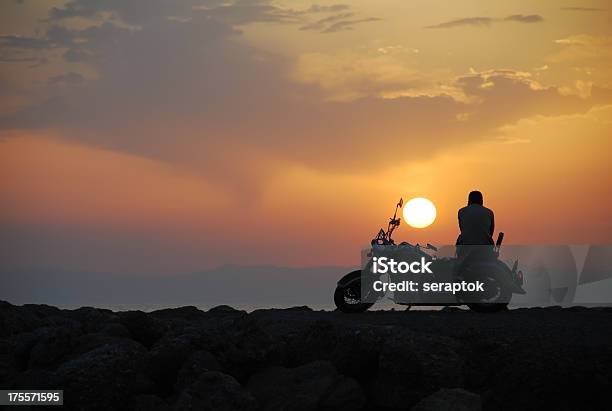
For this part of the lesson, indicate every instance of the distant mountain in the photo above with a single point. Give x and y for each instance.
(230, 284)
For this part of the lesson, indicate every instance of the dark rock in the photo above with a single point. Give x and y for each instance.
(103, 378)
(354, 352)
(550, 377)
(197, 364)
(142, 327)
(450, 399)
(115, 330)
(147, 402)
(307, 387)
(223, 309)
(432, 360)
(214, 390)
(248, 348)
(52, 344)
(450, 308)
(14, 320)
(8, 361)
(300, 359)
(189, 313)
(413, 365)
(298, 308)
(166, 358)
(91, 319)
(345, 394)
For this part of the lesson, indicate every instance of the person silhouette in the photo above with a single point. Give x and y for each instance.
(476, 226)
(476, 222)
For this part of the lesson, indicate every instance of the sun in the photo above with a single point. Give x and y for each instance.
(419, 212)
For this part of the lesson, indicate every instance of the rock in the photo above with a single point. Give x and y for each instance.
(298, 308)
(413, 365)
(188, 313)
(197, 364)
(345, 394)
(14, 320)
(429, 360)
(450, 399)
(223, 309)
(307, 387)
(115, 330)
(550, 377)
(91, 319)
(147, 402)
(166, 358)
(248, 348)
(142, 327)
(103, 378)
(52, 344)
(214, 390)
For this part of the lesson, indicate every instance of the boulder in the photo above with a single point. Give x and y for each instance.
(52, 344)
(142, 327)
(413, 365)
(248, 348)
(148, 402)
(105, 377)
(187, 313)
(307, 387)
(197, 364)
(223, 309)
(450, 399)
(214, 390)
(166, 358)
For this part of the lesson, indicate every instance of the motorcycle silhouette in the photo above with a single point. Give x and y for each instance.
(469, 263)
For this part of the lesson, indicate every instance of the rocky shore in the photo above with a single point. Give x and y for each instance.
(225, 359)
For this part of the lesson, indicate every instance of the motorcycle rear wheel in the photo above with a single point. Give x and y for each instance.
(503, 294)
(348, 298)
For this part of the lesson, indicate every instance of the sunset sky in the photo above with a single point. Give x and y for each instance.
(169, 136)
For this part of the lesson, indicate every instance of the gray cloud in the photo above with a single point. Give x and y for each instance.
(343, 25)
(323, 23)
(487, 21)
(169, 85)
(233, 12)
(468, 21)
(70, 78)
(334, 8)
(521, 18)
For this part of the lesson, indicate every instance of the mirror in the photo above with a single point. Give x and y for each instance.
(401, 202)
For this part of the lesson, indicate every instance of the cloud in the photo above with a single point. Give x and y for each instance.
(468, 21)
(333, 8)
(348, 24)
(487, 21)
(321, 24)
(234, 12)
(521, 18)
(337, 22)
(583, 47)
(70, 78)
(185, 91)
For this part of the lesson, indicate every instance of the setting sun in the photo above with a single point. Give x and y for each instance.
(419, 212)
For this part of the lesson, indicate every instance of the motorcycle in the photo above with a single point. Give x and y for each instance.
(500, 281)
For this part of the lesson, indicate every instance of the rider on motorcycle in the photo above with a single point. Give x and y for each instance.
(477, 224)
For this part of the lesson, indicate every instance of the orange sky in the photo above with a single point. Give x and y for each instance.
(169, 139)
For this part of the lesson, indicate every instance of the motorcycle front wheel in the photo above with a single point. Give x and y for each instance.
(348, 298)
